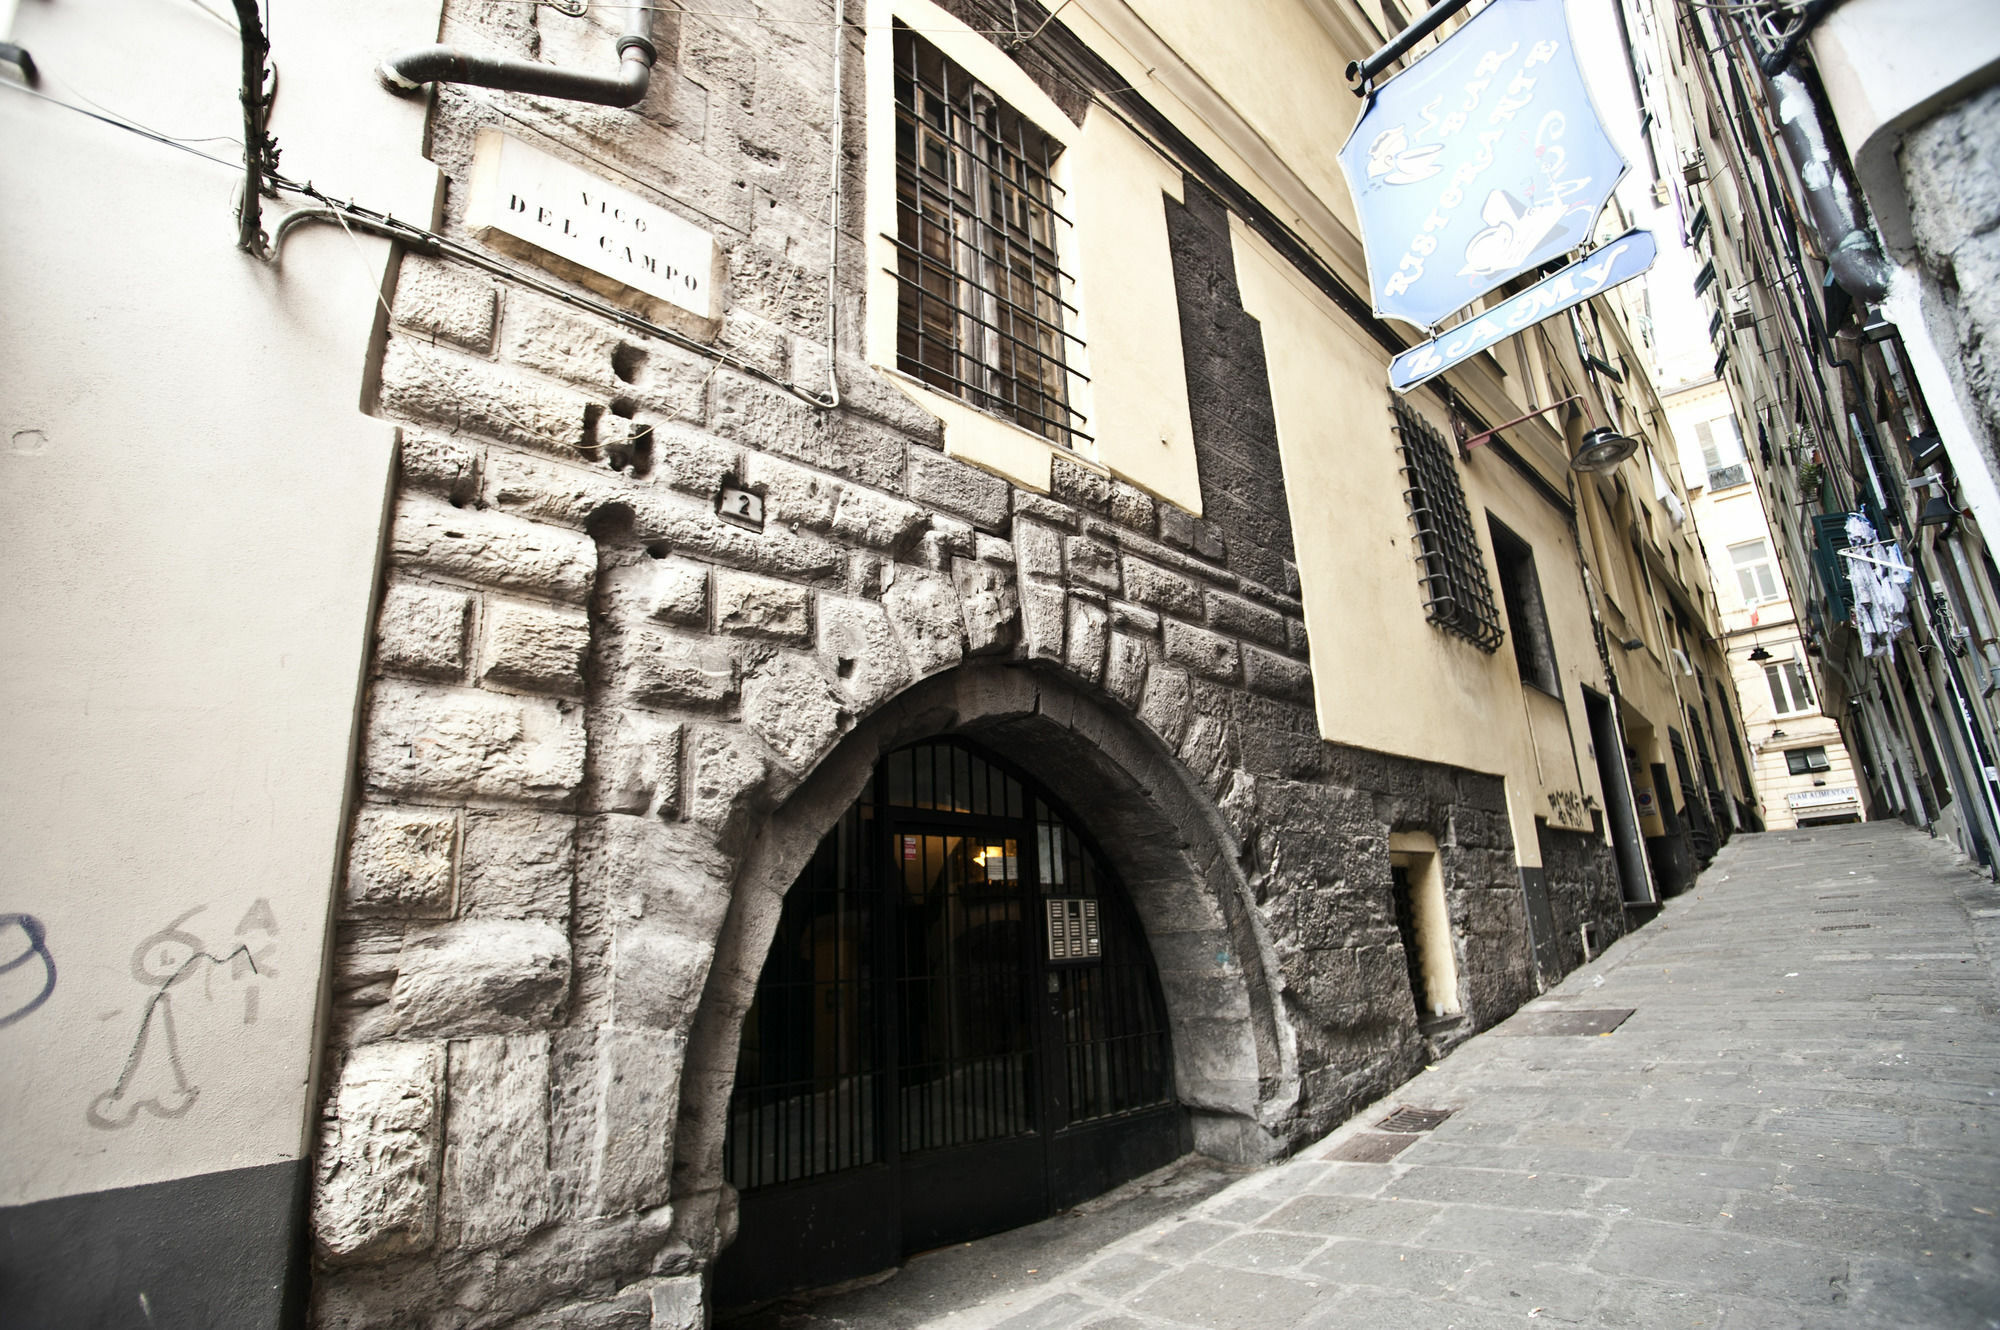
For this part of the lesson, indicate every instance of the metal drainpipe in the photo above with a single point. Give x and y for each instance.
(410, 70)
(1857, 264)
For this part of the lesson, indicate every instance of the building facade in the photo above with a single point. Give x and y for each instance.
(1828, 162)
(873, 635)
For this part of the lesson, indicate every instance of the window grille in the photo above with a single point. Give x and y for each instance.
(980, 291)
(1457, 595)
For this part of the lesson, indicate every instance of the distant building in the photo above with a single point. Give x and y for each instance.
(1796, 760)
(1835, 169)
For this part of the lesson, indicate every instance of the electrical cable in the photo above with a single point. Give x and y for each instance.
(131, 127)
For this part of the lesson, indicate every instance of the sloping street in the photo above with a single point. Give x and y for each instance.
(1778, 1105)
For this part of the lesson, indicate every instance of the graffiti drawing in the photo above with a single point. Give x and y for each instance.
(154, 1078)
(29, 972)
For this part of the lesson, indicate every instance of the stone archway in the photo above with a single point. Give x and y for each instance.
(1234, 1063)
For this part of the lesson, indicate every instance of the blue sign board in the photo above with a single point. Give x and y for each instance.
(1598, 271)
(1481, 161)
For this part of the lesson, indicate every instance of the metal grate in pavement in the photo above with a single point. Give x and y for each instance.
(1840, 928)
(1555, 1023)
(1369, 1147)
(1407, 1119)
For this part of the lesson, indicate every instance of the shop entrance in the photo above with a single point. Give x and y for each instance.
(958, 1029)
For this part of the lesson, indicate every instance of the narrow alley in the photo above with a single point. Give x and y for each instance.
(1776, 1106)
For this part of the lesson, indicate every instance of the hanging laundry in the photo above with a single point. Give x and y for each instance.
(1879, 575)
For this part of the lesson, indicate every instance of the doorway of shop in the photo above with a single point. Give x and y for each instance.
(958, 1029)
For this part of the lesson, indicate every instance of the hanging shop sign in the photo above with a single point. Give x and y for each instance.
(579, 225)
(1483, 160)
(1603, 268)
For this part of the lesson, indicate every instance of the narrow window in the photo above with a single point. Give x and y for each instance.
(1423, 923)
(1804, 761)
(1789, 690)
(1521, 597)
(1457, 595)
(1756, 577)
(980, 304)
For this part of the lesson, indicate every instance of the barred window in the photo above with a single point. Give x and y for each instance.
(1457, 595)
(980, 292)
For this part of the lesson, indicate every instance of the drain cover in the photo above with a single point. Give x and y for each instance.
(1407, 1119)
(1840, 928)
(1600, 1021)
(1369, 1147)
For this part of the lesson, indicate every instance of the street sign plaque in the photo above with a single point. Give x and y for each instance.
(1603, 268)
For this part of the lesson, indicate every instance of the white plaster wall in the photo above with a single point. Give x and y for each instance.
(1888, 65)
(190, 508)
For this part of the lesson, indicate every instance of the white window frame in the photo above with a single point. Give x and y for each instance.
(1792, 679)
(1762, 562)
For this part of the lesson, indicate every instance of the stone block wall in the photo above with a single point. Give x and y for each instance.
(596, 705)
(1581, 872)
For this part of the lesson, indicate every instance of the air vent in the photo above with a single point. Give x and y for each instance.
(1407, 1119)
(1370, 1147)
(1556, 1022)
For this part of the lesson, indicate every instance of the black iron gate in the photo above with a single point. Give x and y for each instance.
(958, 1029)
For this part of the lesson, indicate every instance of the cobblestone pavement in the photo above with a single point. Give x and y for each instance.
(1797, 1126)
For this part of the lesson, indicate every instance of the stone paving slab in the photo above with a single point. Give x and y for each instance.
(1797, 1127)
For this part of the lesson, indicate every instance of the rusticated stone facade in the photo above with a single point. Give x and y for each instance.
(605, 727)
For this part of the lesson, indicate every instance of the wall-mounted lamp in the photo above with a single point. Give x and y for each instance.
(1632, 643)
(1925, 449)
(1757, 653)
(1603, 449)
(1777, 734)
(1938, 511)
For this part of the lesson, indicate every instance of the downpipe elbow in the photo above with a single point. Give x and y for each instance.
(407, 73)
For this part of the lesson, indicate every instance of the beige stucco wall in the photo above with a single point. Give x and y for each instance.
(190, 508)
(1385, 677)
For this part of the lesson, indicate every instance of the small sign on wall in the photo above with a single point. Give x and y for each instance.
(1073, 930)
(558, 216)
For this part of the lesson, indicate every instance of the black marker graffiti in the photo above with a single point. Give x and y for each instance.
(158, 1083)
(37, 948)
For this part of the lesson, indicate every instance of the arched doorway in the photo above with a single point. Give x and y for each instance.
(958, 1029)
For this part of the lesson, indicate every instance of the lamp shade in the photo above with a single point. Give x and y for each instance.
(1937, 512)
(1758, 653)
(1603, 449)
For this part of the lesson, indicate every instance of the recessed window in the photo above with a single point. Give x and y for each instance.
(1804, 761)
(1756, 575)
(1457, 596)
(1790, 690)
(1521, 597)
(981, 310)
